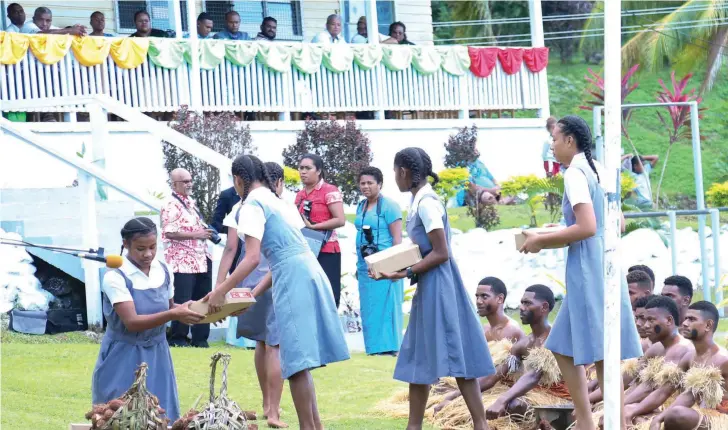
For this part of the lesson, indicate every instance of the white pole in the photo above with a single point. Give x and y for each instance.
(177, 19)
(612, 266)
(195, 86)
(372, 22)
(536, 18)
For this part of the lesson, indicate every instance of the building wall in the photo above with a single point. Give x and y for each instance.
(416, 15)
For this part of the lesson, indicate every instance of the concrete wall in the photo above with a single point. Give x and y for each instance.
(508, 147)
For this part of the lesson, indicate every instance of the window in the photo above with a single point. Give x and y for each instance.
(160, 11)
(354, 9)
(286, 12)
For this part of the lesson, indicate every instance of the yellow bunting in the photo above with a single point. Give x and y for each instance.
(13, 47)
(129, 53)
(50, 48)
(91, 51)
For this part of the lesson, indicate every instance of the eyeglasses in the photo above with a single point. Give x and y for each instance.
(186, 181)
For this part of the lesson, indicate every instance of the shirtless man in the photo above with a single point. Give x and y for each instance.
(490, 297)
(661, 316)
(679, 289)
(536, 304)
(639, 285)
(700, 324)
(645, 269)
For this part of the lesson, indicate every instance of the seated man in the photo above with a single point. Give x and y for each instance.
(98, 25)
(661, 373)
(705, 383)
(680, 290)
(643, 268)
(535, 365)
(332, 35)
(490, 297)
(42, 23)
(639, 285)
(232, 28)
(641, 169)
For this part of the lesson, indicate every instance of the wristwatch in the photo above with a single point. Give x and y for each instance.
(410, 273)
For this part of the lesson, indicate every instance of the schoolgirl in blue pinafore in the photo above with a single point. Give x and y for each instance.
(444, 336)
(578, 330)
(309, 329)
(259, 322)
(123, 351)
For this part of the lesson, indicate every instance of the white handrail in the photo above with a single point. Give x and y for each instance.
(40, 143)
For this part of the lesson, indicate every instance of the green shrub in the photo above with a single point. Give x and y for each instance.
(451, 182)
(718, 195)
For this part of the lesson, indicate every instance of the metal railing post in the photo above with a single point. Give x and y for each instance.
(717, 287)
(699, 194)
(673, 240)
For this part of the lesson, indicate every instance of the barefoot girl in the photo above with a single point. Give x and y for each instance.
(259, 323)
(444, 337)
(577, 336)
(138, 303)
(308, 325)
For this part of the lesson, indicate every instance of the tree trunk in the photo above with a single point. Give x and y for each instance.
(656, 202)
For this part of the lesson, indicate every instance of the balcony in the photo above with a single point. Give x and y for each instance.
(280, 81)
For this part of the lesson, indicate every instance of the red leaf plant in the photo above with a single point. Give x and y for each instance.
(597, 90)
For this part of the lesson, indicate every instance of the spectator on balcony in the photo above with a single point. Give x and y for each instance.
(16, 14)
(204, 26)
(143, 24)
(268, 29)
(332, 35)
(398, 32)
(43, 23)
(232, 28)
(361, 35)
(98, 25)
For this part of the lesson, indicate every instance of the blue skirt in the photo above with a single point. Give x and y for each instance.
(259, 322)
(381, 313)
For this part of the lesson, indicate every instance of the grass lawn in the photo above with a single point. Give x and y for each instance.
(47, 384)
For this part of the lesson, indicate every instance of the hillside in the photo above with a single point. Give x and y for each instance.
(567, 85)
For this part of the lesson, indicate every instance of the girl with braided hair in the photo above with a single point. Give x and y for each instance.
(577, 335)
(309, 329)
(444, 336)
(259, 322)
(138, 302)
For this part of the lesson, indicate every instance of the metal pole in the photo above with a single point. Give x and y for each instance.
(536, 20)
(699, 195)
(673, 240)
(612, 266)
(715, 225)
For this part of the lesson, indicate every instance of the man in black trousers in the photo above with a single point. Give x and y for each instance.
(228, 198)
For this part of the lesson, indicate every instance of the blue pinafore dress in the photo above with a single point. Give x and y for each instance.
(578, 330)
(123, 351)
(259, 322)
(444, 336)
(309, 328)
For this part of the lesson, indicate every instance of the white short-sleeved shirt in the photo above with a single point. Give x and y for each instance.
(114, 285)
(30, 28)
(576, 185)
(12, 28)
(252, 217)
(325, 38)
(430, 210)
(229, 220)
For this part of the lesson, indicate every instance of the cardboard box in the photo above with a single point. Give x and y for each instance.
(394, 259)
(521, 238)
(236, 299)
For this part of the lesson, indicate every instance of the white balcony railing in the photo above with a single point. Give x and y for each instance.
(255, 88)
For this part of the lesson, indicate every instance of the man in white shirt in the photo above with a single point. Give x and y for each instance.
(332, 35)
(361, 35)
(43, 23)
(16, 14)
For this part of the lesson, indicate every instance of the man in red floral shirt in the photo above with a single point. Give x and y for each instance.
(184, 235)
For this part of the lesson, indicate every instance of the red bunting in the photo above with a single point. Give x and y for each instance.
(536, 59)
(482, 60)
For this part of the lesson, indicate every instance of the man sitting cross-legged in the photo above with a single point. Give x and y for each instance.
(662, 374)
(490, 298)
(535, 365)
(704, 385)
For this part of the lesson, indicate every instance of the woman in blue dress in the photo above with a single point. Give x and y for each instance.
(444, 336)
(137, 304)
(309, 328)
(577, 335)
(379, 225)
(259, 322)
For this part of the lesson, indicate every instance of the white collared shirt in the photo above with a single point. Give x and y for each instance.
(431, 211)
(252, 217)
(30, 28)
(12, 28)
(114, 285)
(576, 185)
(325, 38)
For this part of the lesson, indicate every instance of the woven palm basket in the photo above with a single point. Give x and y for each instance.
(140, 408)
(221, 413)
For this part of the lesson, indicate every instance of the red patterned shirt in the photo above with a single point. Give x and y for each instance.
(321, 197)
(183, 256)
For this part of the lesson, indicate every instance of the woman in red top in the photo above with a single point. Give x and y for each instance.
(327, 214)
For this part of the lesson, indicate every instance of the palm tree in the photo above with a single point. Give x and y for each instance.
(695, 35)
